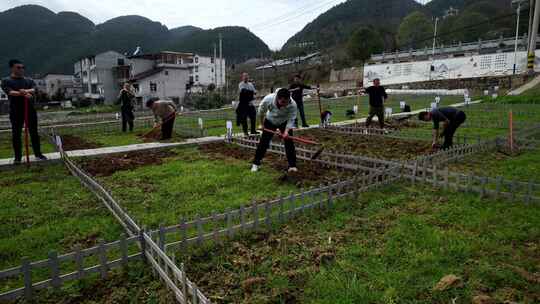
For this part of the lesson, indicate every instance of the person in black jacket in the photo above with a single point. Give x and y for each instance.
(125, 98)
(377, 97)
(451, 118)
(19, 89)
(246, 109)
(297, 92)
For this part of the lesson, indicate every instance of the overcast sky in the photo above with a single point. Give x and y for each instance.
(274, 21)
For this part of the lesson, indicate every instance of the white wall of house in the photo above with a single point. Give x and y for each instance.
(169, 84)
(485, 65)
(55, 82)
(206, 72)
(139, 65)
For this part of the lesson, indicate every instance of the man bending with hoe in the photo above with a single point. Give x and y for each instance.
(451, 118)
(21, 92)
(277, 112)
(166, 111)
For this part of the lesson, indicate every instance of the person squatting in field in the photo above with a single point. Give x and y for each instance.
(277, 113)
(451, 118)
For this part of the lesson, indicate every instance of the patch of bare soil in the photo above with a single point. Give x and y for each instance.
(155, 136)
(72, 142)
(310, 173)
(109, 164)
(372, 146)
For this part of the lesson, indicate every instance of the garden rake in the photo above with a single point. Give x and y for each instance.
(301, 140)
(153, 133)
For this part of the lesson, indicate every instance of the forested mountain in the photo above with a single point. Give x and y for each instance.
(476, 19)
(335, 26)
(50, 42)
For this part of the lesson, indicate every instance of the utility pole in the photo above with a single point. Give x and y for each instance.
(220, 58)
(435, 36)
(215, 65)
(533, 36)
(517, 36)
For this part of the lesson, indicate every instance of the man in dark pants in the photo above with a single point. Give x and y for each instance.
(297, 91)
(377, 97)
(277, 112)
(125, 98)
(166, 111)
(18, 88)
(451, 118)
(246, 109)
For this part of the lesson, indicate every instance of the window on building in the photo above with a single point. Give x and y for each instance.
(153, 87)
(196, 59)
(166, 73)
(197, 78)
(94, 89)
(196, 69)
(190, 79)
(211, 59)
(121, 61)
(212, 70)
(136, 87)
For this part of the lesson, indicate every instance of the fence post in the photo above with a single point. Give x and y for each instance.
(161, 237)
(483, 188)
(143, 244)
(230, 231)
(124, 250)
(281, 211)
(79, 262)
(255, 215)
(268, 215)
(183, 234)
(55, 270)
(215, 221)
(242, 219)
(184, 282)
(330, 197)
(102, 251)
(194, 290)
(200, 232)
(529, 192)
(499, 186)
(27, 273)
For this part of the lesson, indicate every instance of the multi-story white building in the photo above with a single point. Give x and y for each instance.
(100, 77)
(59, 85)
(208, 70)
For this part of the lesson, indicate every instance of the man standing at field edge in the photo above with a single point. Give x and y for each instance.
(377, 97)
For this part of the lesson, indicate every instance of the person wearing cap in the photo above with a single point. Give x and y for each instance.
(451, 118)
(297, 91)
(277, 113)
(165, 111)
(377, 97)
(19, 90)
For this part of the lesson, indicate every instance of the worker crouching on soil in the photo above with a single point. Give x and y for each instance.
(451, 118)
(277, 113)
(166, 111)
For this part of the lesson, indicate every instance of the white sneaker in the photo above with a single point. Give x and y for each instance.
(293, 170)
(254, 168)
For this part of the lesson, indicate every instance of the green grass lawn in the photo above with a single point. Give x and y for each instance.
(391, 246)
(188, 184)
(44, 208)
(6, 150)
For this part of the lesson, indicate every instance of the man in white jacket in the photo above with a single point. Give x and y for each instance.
(277, 113)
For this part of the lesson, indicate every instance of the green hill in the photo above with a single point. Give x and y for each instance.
(49, 42)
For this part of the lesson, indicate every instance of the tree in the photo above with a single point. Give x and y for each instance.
(470, 26)
(415, 31)
(364, 42)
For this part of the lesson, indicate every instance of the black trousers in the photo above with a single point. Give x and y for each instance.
(264, 144)
(17, 123)
(242, 119)
(450, 130)
(167, 127)
(127, 119)
(300, 105)
(376, 111)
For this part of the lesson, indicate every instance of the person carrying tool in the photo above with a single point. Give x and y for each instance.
(246, 109)
(166, 111)
(125, 98)
(277, 113)
(21, 92)
(377, 97)
(451, 118)
(297, 91)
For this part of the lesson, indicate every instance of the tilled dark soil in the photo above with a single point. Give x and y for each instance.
(371, 146)
(72, 142)
(310, 173)
(108, 165)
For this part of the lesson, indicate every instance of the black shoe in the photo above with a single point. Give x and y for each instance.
(41, 157)
(255, 133)
(305, 126)
(17, 162)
